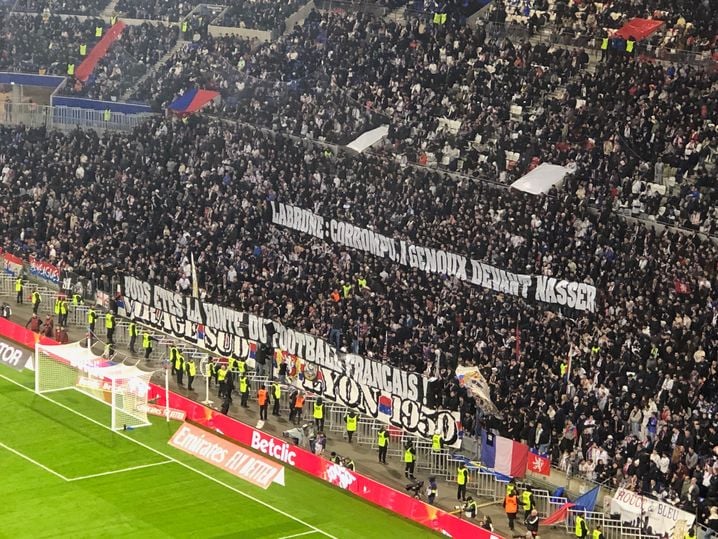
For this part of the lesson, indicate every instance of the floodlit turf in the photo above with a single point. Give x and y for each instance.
(65, 476)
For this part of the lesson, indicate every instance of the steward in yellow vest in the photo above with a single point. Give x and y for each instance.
(351, 420)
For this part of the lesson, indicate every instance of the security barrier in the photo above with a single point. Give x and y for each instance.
(7, 285)
(68, 118)
(612, 528)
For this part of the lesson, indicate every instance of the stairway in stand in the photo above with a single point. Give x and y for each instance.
(153, 69)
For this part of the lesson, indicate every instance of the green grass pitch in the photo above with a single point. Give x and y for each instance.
(65, 475)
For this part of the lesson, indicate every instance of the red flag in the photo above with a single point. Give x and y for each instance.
(539, 464)
(557, 516)
(681, 287)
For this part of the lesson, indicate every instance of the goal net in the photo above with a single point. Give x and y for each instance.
(71, 366)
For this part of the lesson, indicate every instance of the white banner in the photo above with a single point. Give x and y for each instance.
(662, 518)
(368, 385)
(579, 296)
(351, 387)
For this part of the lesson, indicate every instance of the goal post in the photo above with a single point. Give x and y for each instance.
(124, 388)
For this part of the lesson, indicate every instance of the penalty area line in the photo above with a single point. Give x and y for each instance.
(33, 461)
(302, 534)
(171, 459)
(123, 470)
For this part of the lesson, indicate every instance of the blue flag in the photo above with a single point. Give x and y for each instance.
(587, 501)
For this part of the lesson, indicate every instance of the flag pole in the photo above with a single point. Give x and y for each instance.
(167, 392)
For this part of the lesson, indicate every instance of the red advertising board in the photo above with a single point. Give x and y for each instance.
(301, 459)
(364, 487)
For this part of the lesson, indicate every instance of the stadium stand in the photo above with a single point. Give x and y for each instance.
(128, 59)
(639, 138)
(38, 44)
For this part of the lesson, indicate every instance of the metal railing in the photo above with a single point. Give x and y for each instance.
(563, 36)
(68, 118)
(613, 528)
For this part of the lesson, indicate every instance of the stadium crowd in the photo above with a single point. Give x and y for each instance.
(643, 375)
(255, 14)
(339, 75)
(138, 49)
(260, 14)
(65, 7)
(157, 10)
(210, 64)
(686, 25)
(634, 405)
(45, 45)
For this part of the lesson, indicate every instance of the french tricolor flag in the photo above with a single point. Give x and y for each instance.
(504, 455)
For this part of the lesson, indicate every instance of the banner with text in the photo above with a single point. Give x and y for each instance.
(385, 392)
(579, 296)
(44, 270)
(351, 388)
(662, 518)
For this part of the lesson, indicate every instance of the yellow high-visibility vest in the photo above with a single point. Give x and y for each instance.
(629, 45)
(18, 285)
(109, 321)
(98, 31)
(604, 43)
(578, 530)
(408, 455)
(146, 340)
(352, 423)
(382, 439)
(83, 50)
(526, 499)
(461, 476)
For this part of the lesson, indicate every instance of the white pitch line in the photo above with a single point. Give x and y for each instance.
(150, 448)
(131, 468)
(298, 534)
(33, 461)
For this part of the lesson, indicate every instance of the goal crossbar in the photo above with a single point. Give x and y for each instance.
(73, 366)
